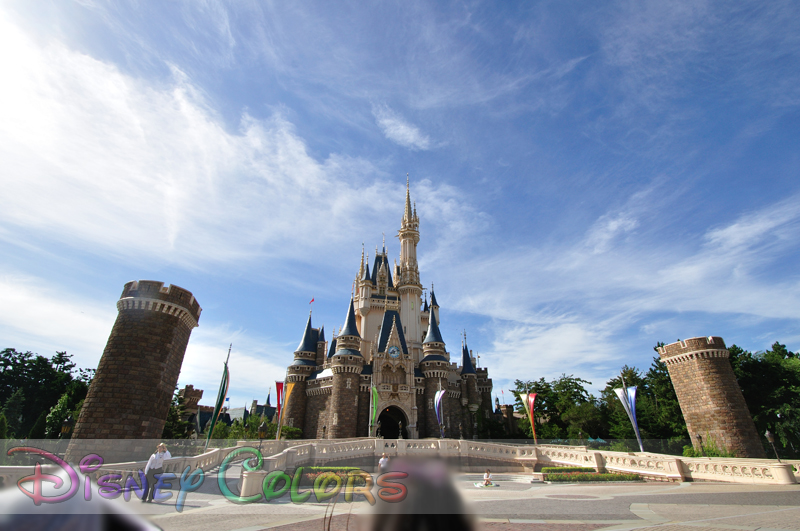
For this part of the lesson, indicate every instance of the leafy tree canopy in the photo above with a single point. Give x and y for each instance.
(41, 381)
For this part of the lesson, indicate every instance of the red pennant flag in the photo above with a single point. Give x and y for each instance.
(312, 300)
(279, 392)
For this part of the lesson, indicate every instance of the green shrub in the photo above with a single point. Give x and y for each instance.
(566, 469)
(583, 476)
(710, 449)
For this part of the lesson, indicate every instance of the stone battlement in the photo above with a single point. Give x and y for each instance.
(152, 289)
(693, 344)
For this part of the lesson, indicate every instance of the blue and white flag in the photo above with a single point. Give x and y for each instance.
(627, 395)
(437, 404)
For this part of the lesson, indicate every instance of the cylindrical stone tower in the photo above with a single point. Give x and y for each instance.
(346, 365)
(711, 401)
(130, 395)
(303, 365)
(435, 366)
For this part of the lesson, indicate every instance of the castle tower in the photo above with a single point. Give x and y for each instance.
(346, 365)
(408, 283)
(435, 366)
(191, 399)
(711, 400)
(434, 307)
(471, 398)
(303, 365)
(131, 393)
(321, 344)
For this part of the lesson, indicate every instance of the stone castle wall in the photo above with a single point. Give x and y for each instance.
(343, 415)
(316, 415)
(295, 414)
(710, 398)
(422, 412)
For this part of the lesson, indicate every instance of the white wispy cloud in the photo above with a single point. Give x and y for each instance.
(108, 163)
(38, 316)
(399, 131)
(570, 307)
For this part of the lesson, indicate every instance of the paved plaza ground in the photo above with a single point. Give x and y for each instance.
(515, 505)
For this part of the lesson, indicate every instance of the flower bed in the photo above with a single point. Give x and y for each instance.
(585, 476)
(566, 469)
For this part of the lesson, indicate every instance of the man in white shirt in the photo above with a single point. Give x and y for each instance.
(154, 467)
(383, 464)
(487, 478)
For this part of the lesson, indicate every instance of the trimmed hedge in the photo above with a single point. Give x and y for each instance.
(566, 469)
(582, 476)
(329, 468)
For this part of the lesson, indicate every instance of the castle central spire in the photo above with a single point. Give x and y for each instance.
(409, 214)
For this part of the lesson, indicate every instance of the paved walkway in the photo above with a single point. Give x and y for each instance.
(516, 505)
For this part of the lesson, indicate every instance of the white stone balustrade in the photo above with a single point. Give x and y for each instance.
(289, 455)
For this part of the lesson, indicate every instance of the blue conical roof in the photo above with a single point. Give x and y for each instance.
(308, 344)
(366, 272)
(433, 336)
(434, 304)
(332, 350)
(350, 328)
(466, 360)
(321, 334)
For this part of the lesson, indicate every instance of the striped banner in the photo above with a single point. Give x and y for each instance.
(437, 404)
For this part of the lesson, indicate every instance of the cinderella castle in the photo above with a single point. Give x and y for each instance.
(391, 341)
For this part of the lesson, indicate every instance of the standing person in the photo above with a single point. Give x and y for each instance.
(487, 479)
(154, 467)
(383, 464)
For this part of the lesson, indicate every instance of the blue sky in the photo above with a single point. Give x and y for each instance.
(590, 179)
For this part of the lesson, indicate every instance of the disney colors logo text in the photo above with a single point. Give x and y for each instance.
(275, 485)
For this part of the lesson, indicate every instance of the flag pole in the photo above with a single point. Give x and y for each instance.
(223, 391)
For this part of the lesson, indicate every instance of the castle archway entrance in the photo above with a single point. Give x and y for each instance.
(393, 422)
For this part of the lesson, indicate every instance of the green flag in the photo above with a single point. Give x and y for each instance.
(375, 399)
(223, 392)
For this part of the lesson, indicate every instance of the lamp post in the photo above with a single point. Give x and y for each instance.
(771, 439)
(262, 434)
(66, 427)
(66, 430)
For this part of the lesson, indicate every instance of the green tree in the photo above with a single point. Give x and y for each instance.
(39, 427)
(221, 431)
(43, 381)
(56, 417)
(3, 427)
(13, 413)
(666, 418)
(770, 383)
(658, 412)
(176, 427)
(563, 408)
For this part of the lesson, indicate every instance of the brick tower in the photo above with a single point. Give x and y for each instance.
(434, 367)
(296, 375)
(130, 395)
(346, 365)
(711, 400)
